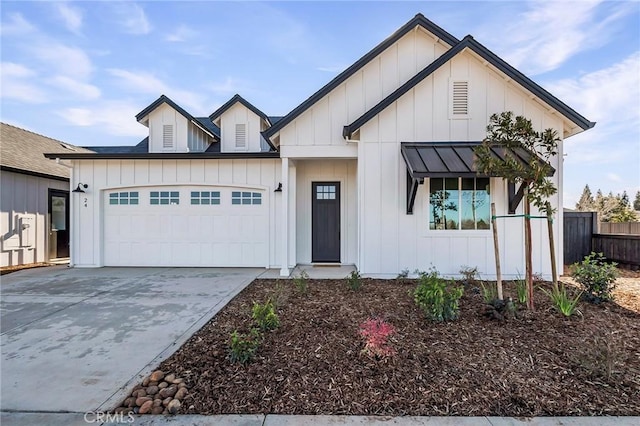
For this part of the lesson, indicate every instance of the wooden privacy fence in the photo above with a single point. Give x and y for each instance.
(581, 237)
(620, 228)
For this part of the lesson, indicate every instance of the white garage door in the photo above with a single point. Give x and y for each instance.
(186, 226)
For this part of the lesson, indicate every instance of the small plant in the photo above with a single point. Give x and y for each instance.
(376, 332)
(600, 356)
(403, 275)
(354, 280)
(562, 301)
(521, 290)
(243, 347)
(489, 292)
(279, 295)
(470, 275)
(439, 301)
(301, 282)
(596, 277)
(265, 316)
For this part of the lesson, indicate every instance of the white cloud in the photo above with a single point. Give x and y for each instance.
(116, 118)
(614, 177)
(132, 18)
(230, 85)
(332, 69)
(17, 25)
(180, 34)
(71, 16)
(145, 82)
(69, 61)
(550, 32)
(75, 87)
(18, 83)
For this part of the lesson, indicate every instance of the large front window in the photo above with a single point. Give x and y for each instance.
(459, 203)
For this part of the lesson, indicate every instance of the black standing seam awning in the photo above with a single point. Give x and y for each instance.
(452, 159)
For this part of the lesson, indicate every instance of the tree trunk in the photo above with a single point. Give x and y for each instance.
(552, 250)
(527, 251)
(496, 251)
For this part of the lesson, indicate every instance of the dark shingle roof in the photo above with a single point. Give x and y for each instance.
(469, 43)
(22, 150)
(142, 146)
(207, 124)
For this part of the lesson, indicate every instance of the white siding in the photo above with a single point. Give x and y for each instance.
(391, 240)
(101, 175)
(321, 125)
(239, 114)
(24, 194)
(162, 116)
(198, 141)
(343, 171)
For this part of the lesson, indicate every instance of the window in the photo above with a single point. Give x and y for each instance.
(241, 135)
(459, 203)
(325, 192)
(122, 198)
(238, 197)
(164, 197)
(459, 99)
(167, 136)
(205, 197)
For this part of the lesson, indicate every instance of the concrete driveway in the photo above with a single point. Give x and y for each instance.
(76, 339)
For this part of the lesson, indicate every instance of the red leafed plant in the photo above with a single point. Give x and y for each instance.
(376, 332)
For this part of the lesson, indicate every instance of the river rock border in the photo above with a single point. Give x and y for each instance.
(157, 394)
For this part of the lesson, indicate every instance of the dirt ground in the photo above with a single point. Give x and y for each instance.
(539, 364)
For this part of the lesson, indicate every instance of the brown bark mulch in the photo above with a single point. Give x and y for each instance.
(539, 364)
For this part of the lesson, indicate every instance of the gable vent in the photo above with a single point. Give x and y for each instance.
(241, 135)
(460, 98)
(167, 136)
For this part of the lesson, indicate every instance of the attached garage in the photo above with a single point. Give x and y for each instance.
(186, 226)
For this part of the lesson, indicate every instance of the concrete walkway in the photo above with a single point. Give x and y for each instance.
(76, 339)
(74, 419)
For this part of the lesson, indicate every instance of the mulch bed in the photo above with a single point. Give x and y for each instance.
(539, 364)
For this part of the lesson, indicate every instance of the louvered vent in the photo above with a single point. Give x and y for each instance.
(460, 100)
(167, 136)
(241, 136)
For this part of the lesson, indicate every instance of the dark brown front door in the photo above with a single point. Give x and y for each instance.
(58, 224)
(325, 221)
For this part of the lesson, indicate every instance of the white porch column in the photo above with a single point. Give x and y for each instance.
(284, 268)
(293, 210)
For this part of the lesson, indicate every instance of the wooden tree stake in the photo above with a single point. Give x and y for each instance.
(552, 250)
(527, 250)
(496, 250)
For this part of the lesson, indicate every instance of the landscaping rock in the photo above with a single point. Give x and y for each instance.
(139, 393)
(156, 376)
(157, 410)
(166, 401)
(170, 391)
(129, 402)
(146, 407)
(173, 406)
(177, 381)
(182, 392)
(152, 390)
(169, 378)
(141, 400)
(163, 385)
(145, 382)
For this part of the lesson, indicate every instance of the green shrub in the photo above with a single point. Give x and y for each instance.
(301, 282)
(596, 277)
(521, 291)
(403, 275)
(439, 301)
(489, 292)
(243, 347)
(354, 280)
(470, 275)
(562, 301)
(265, 316)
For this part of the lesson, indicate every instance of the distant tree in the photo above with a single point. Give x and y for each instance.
(612, 208)
(636, 202)
(586, 202)
(517, 133)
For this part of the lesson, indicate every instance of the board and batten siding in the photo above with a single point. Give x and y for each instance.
(162, 116)
(25, 194)
(391, 240)
(322, 123)
(343, 171)
(239, 114)
(102, 175)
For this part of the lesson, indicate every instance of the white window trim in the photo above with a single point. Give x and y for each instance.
(453, 116)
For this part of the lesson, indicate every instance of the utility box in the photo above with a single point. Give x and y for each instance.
(27, 230)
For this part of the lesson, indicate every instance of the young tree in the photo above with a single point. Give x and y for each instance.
(636, 202)
(517, 134)
(586, 202)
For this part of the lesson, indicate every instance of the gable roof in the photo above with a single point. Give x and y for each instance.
(231, 102)
(165, 100)
(418, 20)
(470, 43)
(22, 151)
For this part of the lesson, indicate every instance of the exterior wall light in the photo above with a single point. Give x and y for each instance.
(79, 188)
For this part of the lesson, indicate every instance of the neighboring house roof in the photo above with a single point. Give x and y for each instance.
(21, 151)
(469, 43)
(163, 155)
(165, 100)
(418, 20)
(231, 102)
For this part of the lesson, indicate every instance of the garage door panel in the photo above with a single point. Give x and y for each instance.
(187, 234)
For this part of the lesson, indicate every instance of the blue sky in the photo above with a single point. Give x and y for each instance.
(80, 71)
